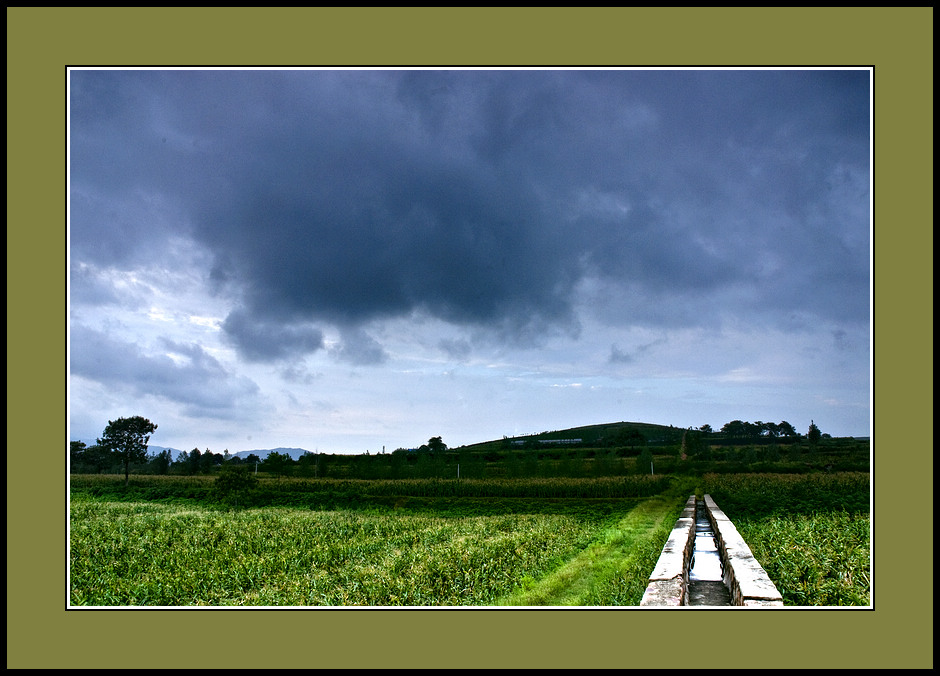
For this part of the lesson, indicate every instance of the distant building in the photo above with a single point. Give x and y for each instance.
(520, 442)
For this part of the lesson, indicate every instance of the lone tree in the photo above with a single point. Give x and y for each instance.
(814, 434)
(128, 437)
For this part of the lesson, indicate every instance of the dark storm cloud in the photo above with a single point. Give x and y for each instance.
(481, 198)
(195, 380)
(262, 341)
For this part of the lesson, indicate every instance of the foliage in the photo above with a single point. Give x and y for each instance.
(820, 559)
(128, 437)
(161, 462)
(703, 453)
(827, 558)
(741, 495)
(614, 569)
(277, 464)
(629, 580)
(629, 436)
(76, 449)
(644, 462)
(810, 532)
(435, 446)
(309, 464)
(95, 458)
(743, 430)
(693, 444)
(159, 555)
(813, 435)
(234, 485)
(349, 493)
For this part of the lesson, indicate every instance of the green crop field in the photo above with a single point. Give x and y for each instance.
(811, 533)
(513, 534)
(152, 554)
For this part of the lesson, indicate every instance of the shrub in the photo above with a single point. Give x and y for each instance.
(234, 485)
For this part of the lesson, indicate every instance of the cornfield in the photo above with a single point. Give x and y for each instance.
(320, 492)
(811, 532)
(147, 554)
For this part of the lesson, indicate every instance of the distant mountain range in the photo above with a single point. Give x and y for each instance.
(294, 453)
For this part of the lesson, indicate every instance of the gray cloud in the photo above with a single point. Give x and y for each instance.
(457, 349)
(91, 287)
(195, 379)
(618, 356)
(261, 341)
(359, 348)
(481, 198)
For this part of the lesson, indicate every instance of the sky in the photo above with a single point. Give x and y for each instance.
(349, 260)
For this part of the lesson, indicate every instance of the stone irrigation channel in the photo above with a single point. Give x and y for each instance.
(706, 562)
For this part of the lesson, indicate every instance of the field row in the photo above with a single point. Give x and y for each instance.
(140, 554)
(811, 533)
(167, 541)
(340, 493)
(819, 559)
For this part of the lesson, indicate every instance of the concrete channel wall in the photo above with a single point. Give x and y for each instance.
(742, 574)
(669, 582)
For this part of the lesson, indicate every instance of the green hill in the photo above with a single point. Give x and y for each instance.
(604, 434)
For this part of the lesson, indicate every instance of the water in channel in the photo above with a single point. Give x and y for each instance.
(706, 588)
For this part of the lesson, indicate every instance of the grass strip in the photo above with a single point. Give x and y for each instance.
(615, 569)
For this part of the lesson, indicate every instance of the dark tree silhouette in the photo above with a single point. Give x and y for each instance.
(128, 437)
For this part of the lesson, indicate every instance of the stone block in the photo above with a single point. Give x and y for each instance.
(664, 593)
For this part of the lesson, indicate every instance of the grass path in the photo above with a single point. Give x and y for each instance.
(615, 569)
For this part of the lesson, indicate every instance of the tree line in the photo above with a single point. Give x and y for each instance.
(741, 429)
(103, 458)
(123, 445)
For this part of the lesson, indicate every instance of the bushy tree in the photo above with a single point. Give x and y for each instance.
(99, 458)
(434, 446)
(161, 461)
(733, 429)
(76, 452)
(128, 437)
(813, 435)
(181, 464)
(786, 429)
(277, 463)
(208, 461)
(194, 461)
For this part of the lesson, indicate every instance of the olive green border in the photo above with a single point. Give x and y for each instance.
(41, 42)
